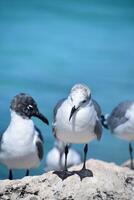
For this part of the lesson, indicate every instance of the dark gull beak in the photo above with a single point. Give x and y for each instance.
(41, 117)
(72, 112)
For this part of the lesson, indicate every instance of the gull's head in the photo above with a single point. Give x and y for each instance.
(80, 95)
(25, 106)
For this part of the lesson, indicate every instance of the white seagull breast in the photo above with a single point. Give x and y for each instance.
(80, 129)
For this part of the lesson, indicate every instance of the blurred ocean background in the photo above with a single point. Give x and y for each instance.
(48, 46)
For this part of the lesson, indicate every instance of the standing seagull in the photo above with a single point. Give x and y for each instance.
(21, 145)
(55, 158)
(76, 120)
(121, 123)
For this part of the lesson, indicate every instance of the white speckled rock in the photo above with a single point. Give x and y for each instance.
(108, 183)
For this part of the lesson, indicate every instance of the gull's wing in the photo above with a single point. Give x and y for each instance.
(58, 105)
(39, 143)
(118, 115)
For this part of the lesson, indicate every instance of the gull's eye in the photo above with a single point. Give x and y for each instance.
(30, 107)
(71, 99)
(84, 101)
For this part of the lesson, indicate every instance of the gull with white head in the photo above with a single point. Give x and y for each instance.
(77, 120)
(121, 123)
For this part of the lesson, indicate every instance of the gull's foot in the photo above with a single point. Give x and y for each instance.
(63, 174)
(83, 173)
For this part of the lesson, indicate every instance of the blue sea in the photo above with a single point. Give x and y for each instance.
(48, 46)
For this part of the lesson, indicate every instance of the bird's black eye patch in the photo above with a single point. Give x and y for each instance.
(84, 101)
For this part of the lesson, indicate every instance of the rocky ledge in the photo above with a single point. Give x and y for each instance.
(108, 183)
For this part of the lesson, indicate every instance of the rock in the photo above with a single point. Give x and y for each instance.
(108, 183)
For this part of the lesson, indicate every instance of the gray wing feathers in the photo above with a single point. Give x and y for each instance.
(40, 149)
(58, 105)
(98, 126)
(39, 143)
(97, 108)
(98, 129)
(117, 116)
(39, 134)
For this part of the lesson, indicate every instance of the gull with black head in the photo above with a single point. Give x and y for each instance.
(77, 120)
(21, 145)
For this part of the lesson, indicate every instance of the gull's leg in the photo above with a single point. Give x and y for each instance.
(131, 155)
(27, 172)
(10, 176)
(64, 173)
(83, 173)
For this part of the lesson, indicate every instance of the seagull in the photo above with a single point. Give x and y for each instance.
(77, 120)
(121, 123)
(21, 145)
(55, 158)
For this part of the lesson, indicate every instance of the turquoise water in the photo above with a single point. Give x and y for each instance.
(47, 46)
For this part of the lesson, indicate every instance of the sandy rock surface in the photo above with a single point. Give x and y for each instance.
(110, 182)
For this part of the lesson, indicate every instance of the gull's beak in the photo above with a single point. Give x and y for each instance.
(41, 117)
(72, 112)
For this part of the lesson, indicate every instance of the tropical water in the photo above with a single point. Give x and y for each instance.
(48, 46)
